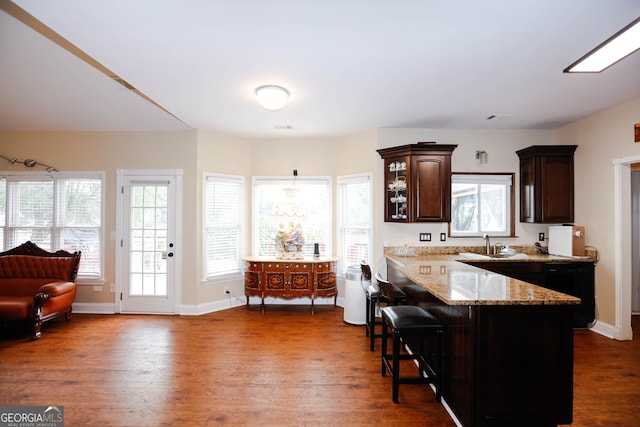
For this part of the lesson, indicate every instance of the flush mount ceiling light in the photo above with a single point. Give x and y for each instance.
(617, 47)
(272, 97)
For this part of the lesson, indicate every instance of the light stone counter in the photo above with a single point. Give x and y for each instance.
(456, 283)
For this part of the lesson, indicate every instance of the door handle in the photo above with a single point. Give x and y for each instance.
(170, 254)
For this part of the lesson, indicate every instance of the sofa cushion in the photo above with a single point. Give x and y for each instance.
(15, 307)
(24, 274)
(34, 267)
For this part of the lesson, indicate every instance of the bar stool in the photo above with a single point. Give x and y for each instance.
(412, 321)
(371, 293)
(392, 295)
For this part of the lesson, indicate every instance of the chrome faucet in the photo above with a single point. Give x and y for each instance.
(488, 243)
(495, 247)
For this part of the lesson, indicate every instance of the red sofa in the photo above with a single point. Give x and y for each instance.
(36, 285)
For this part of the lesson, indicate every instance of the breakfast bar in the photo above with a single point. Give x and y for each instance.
(508, 343)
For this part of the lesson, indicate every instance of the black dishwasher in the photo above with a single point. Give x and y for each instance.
(576, 279)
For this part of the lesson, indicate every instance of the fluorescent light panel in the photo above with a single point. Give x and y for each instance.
(617, 47)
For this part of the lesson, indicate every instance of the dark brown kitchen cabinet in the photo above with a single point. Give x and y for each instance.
(571, 278)
(546, 184)
(532, 272)
(417, 182)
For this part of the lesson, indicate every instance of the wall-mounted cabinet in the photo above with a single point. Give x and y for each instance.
(546, 184)
(417, 182)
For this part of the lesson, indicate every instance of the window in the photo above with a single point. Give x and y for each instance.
(354, 220)
(284, 202)
(59, 211)
(223, 219)
(481, 203)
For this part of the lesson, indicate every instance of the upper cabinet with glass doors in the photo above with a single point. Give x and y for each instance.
(417, 182)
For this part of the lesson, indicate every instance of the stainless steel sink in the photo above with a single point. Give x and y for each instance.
(472, 255)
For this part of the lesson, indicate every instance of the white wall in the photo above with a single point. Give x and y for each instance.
(601, 138)
(501, 146)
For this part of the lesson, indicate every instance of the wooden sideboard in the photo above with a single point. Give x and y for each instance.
(290, 278)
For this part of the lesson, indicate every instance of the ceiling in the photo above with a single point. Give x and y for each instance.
(350, 65)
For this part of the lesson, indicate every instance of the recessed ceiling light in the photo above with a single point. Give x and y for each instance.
(617, 47)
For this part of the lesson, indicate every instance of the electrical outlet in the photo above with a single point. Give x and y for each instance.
(541, 237)
(226, 290)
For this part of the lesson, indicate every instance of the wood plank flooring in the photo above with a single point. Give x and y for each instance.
(238, 367)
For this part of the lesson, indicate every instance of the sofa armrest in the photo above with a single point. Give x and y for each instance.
(55, 289)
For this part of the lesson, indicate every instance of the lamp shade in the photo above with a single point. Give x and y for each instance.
(272, 97)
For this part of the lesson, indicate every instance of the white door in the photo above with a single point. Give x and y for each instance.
(148, 245)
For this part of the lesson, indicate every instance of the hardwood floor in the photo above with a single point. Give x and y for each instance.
(239, 367)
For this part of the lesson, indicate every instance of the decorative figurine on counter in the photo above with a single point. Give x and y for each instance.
(289, 242)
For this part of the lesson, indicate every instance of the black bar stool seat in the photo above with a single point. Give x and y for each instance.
(408, 321)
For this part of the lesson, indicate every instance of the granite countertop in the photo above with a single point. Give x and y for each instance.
(527, 253)
(457, 283)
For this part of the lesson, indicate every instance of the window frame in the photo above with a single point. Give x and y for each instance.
(342, 182)
(55, 229)
(291, 182)
(488, 178)
(236, 275)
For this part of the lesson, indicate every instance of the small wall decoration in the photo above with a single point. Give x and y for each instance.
(636, 129)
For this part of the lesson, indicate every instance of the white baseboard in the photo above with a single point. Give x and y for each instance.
(210, 307)
(93, 308)
(610, 331)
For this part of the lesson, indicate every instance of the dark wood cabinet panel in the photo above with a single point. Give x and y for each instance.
(325, 280)
(576, 279)
(546, 184)
(431, 181)
(524, 365)
(290, 279)
(532, 272)
(572, 278)
(417, 182)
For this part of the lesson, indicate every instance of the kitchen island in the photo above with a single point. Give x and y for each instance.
(508, 343)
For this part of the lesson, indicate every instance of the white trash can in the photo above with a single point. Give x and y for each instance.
(354, 298)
